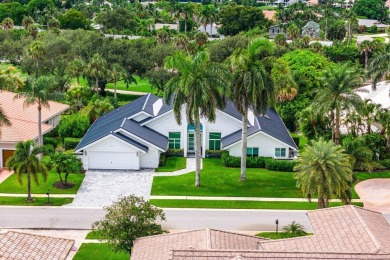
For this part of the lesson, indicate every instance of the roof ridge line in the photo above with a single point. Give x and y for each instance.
(367, 229)
(146, 101)
(235, 233)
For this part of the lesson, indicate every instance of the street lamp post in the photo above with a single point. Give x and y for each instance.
(48, 196)
(277, 225)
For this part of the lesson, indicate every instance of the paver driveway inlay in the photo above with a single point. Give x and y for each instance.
(375, 194)
(101, 188)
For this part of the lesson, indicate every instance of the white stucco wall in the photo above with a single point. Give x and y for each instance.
(54, 121)
(265, 144)
(150, 159)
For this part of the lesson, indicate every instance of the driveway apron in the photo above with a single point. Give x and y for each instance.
(101, 188)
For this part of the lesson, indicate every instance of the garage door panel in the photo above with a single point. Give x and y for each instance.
(113, 160)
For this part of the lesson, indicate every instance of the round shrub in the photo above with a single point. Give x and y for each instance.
(74, 126)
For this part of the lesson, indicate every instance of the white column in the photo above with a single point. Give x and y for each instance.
(204, 135)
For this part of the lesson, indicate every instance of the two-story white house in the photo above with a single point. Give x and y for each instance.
(133, 136)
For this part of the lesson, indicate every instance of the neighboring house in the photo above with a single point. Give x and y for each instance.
(211, 30)
(370, 22)
(270, 15)
(133, 136)
(275, 30)
(286, 2)
(15, 245)
(24, 125)
(379, 96)
(346, 232)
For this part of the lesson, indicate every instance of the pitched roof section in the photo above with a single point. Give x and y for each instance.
(347, 229)
(21, 130)
(270, 124)
(145, 133)
(131, 141)
(160, 246)
(15, 245)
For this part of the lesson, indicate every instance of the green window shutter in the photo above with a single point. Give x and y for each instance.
(283, 152)
(175, 135)
(217, 145)
(255, 151)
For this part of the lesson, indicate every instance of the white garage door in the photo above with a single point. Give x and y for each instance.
(113, 160)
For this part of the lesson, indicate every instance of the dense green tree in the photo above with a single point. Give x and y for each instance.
(74, 126)
(372, 9)
(97, 68)
(221, 50)
(159, 77)
(128, 219)
(100, 106)
(53, 24)
(342, 53)
(34, 6)
(251, 86)
(200, 86)
(118, 18)
(36, 52)
(13, 10)
(73, 19)
(238, 18)
(78, 92)
(116, 73)
(361, 155)
(338, 93)
(312, 124)
(27, 21)
(337, 30)
(25, 161)
(325, 171)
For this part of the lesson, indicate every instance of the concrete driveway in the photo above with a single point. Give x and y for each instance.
(101, 188)
(375, 194)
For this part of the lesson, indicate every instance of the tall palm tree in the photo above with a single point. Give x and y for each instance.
(35, 52)
(116, 73)
(337, 93)
(323, 170)
(38, 93)
(7, 23)
(365, 48)
(379, 68)
(99, 107)
(200, 86)
(352, 22)
(368, 112)
(27, 21)
(282, 76)
(181, 41)
(76, 68)
(78, 92)
(251, 86)
(96, 68)
(189, 11)
(25, 161)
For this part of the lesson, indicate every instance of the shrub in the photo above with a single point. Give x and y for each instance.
(49, 149)
(175, 152)
(73, 126)
(213, 153)
(235, 162)
(163, 159)
(71, 143)
(385, 163)
(50, 140)
(280, 165)
(46, 160)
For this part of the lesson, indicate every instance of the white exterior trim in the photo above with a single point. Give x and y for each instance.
(106, 137)
(140, 139)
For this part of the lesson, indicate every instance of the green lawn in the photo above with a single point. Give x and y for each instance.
(235, 204)
(274, 235)
(18, 70)
(142, 85)
(99, 251)
(173, 164)
(11, 184)
(94, 234)
(21, 201)
(217, 180)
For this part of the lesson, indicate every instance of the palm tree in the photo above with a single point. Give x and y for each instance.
(352, 22)
(76, 68)
(78, 92)
(39, 94)
(251, 86)
(365, 48)
(96, 68)
(282, 77)
(25, 161)
(295, 229)
(53, 23)
(201, 86)
(379, 68)
(384, 120)
(200, 39)
(337, 93)
(10, 80)
(181, 41)
(189, 11)
(116, 73)
(35, 52)
(65, 163)
(7, 23)
(293, 31)
(27, 21)
(33, 30)
(323, 170)
(368, 112)
(99, 108)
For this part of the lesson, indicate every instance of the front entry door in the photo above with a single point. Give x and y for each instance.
(191, 142)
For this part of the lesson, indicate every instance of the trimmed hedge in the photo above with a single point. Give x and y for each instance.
(214, 153)
(50, 140)
(280, 165)
(385, 163)
(175, 152)
(71, 143)
(163, 160)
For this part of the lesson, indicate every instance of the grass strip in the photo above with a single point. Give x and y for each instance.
(279, 235)
(173, 164)
(235, 204)
(95, 251)
(21, 201)
(94, 234)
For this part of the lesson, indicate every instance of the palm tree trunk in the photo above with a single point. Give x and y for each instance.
(337, 127)
(197, 149)
(365, 59)
(320, 202)
(36, 71)
(185, 25)
(29, 198)
(78, 79)
(332, 124)
(178, 25)
(211, 29)
(97, 85)
(243, 146)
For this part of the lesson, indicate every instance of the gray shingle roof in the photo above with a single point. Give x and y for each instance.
(131, 141)
(270, 124)
(145, 133)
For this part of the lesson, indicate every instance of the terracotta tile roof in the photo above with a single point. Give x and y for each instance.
(24, 119)
(270, 15)
(16, 246)
(160, 246)
(346, 232)
(346, 229)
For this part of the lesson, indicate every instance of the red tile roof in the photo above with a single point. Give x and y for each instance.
(24, 119)
(16, 246)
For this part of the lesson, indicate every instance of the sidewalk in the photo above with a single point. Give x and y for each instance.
(238, 198)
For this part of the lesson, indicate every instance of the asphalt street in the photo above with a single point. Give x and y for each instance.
(177, 219)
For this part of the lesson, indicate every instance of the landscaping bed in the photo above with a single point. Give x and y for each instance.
(11, 184)
(99, 251)
(279, 235)
(239, 204)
